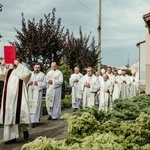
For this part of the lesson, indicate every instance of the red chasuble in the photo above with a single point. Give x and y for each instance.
(9, 54)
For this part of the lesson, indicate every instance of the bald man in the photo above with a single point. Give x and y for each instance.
(105, 93)
(74, 82)
(54, 79)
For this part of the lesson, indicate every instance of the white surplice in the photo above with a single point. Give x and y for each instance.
(110, 75)
(35, 96)
(14, 98)
(134, 86)
(75, 89)
(125, 86)
(104, 97)
(53, 93)
(88, 94)
(97, 100)
(116, 87)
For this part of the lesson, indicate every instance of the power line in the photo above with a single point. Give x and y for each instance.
(87, 7)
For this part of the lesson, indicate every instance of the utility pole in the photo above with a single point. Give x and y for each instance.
(99, 35)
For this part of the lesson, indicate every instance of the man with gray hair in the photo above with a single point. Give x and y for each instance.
(74, 82)
(88, 86)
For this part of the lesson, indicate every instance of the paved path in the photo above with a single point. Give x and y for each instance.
(53, 129)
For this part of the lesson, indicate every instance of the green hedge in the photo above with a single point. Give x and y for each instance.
(126, 127)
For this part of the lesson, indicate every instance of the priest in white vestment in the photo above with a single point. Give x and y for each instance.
(74, 82)
(103, 71)
(88, 86)
(125, 83)
(100, 77)
(116, 86)
(110, 74)
(97, 74)
(35, 89)
(14, 107)
(105, 93)
(134, 85)
(54, 79)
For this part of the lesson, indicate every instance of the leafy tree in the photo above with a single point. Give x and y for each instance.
(40, 42)
(128, 71)
(79, 51)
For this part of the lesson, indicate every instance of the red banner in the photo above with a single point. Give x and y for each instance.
(9, 54)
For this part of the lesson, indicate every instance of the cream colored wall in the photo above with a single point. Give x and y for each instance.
(142, 65)
(147, 46)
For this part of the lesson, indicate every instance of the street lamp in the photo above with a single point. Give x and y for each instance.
(146, 18)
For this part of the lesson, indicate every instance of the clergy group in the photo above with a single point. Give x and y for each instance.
(21, 103)
(102, 89)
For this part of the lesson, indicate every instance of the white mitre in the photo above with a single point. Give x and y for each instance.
(119, 71)
(133, 71)
(103, 71)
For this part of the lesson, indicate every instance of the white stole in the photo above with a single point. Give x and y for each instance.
(89, 93)
(33, 92)
(50, 93)
(75, 86)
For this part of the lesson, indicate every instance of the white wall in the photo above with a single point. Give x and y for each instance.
(142, 68)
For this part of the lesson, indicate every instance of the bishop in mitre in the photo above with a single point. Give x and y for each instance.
(125, 84)
(134, 85)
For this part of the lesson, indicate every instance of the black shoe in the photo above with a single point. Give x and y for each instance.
(11, 141)
(75, 109)
(49, 118)
(54, 119)
(25, 135)
(34, 125)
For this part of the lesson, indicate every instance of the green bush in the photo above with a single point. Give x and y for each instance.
(125, 135)
(66, 102)
(126, 127)
(82, 126)
(44, 109)
(123, 109)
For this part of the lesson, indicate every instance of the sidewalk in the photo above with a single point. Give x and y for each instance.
(52, 129)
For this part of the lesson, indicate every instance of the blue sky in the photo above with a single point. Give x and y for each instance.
(122, 23)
